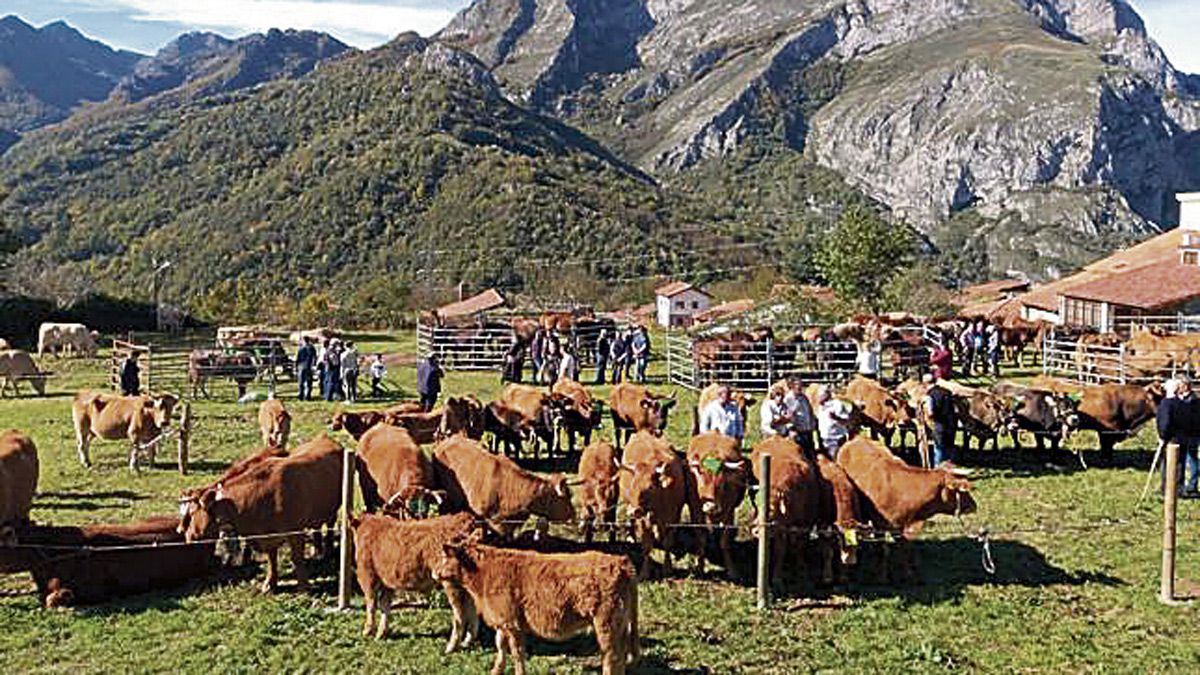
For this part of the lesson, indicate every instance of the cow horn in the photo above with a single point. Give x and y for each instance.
(660, 469)
(734, 466)
(960, 472)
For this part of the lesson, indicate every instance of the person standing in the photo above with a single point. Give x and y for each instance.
(966, 343)
(722, 415)
(350, 372)
(537, 347)
(618, 354)
(993, 349)
(378, 371)
(803, 421)
(568, 368)
(867, 360)
(1178, 421)
(306, 361)
(429, 381)
(333, 371)
(773, 416)
(942, 362)
(514, 362)
(833, 419)
(600, 354)
(551, 360)
(639, 351)
(939, 409)
(130, 379)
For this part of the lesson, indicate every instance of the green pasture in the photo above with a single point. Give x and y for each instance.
(1075, 586)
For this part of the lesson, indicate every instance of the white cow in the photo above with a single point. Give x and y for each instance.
(71, 338)
(17, 365)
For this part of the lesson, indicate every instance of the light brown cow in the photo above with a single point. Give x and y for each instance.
(1151, 355)
(357, 422)
(793, 497)
(654, 491)
(71, 339)
(391, 556)
(716, 489)
(536, 410)
(422, 426)
(580, 415)
(1116, 411)
(599, 473)
(553, 596)
(635, 409)
(272, 502)
(18, 478)
(275, 423)
(495, 488)
(839, 510)
(393, 472)
(17, 366)
(138, 419)
(882, 411)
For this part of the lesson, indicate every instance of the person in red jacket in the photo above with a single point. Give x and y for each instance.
(942, 362)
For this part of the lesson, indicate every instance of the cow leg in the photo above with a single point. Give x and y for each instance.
(827, 561)
(385, 611)
(780, 543)
(701, 549)
(611, 639)
(589, 525)
(465, 621)
(727, 554)
(501, 645)
(133, 456)
(366, 581)
(516, 648)
(82, 440)
(667, 537)
(272, 580)
(296, 544)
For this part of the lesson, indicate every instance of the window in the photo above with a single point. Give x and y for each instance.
(695, 304)
(1081, 312)
(680, 304)
(1191, 258)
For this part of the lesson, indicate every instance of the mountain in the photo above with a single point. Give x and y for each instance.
(1023, 135)
(47, 72)
(404, 164)
(202, 64)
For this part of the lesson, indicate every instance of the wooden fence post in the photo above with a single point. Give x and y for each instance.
(344, 557)
(1170, 501)
(764, 537)
(185, 436)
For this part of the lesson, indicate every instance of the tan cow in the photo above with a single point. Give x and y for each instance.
(793, 497)
(72, 339)
(654, 491)
(424, 427)
(634, 408)
(553, 596)
(391, 556)
(138, 419)
(716, 489)
(272, 502)
(18, 479)
(599, 472)
(882, 411)
(393, 472)
(275, 423)
(580, 415)
(17, 365)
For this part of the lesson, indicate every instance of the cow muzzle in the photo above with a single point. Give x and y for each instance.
(709, 507)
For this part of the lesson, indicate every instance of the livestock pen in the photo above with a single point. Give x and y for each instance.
(1090, 361)
(187, 364)
(480, 342)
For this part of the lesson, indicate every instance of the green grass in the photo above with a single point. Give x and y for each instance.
(1067, 599)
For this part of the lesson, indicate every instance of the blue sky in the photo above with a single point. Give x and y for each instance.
(145, 25)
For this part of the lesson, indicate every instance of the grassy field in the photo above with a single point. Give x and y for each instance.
(1075, 584)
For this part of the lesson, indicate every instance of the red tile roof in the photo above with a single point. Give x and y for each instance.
(724, 309)
(1147, 287)
(489, 299)
(675, 288)
(993, 288)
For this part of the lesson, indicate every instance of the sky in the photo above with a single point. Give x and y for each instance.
(146, 25)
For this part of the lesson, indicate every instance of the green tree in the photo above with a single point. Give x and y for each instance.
(916, 289)
(862, 254)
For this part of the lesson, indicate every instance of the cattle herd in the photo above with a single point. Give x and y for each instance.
(449, 515)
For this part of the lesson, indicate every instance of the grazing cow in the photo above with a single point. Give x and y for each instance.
(71, 339)
(1116, 411)
(139, 419)
(1041, 413)
(423, 426)
(900, 497)
(538, 412)
(495, 488)
(18, 478)
(793, 497)
(882, 411)
(462, 415)
(277, 495)
(17, 365)
(208, 363)
(106, 568)
(654, 490)
(553, 596)
(275, 423)
(716, 489)
(599, 471)
(580, 415)
(984, 416)
(839, 510)
(635, 409)
(391, 556)
(394, 474)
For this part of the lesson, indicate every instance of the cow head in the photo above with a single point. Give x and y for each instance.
(656, 412)
(462, 415)
(161, 408)
(205, 515)
(955, 496)
(646, 481)
(720, 484)
(455, 561)
(553, 500)
(994, 413)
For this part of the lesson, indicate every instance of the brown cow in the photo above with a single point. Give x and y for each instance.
(393, 472)
(18, 478)
(1096, 355)
(553, 596)
(495, 488)
(793, 497)
(356, 423)
(462, 415)
(209, 363)
(275, 423)
(1149, 354)
(424, 427)
(654, 490)
(278, 496)
(1116, 411)
(580, 415)
(17, 366)
(599, 473)
(716, 489)
(538, 412)
(984, 416)
(882, 411)
(635, 409)
(239, 467)
(102, 574)
(840, 511)
(138, 419)
(395, 556)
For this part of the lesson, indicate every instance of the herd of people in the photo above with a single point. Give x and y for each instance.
(619, 356)
(335, 367)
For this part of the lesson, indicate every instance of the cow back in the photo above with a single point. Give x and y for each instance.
(18, 476)
(598, 471)
(794, 487)
(389, 461)
(490, 486)
(896, 495)
(288, 493)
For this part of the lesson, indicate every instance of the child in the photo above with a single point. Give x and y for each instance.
(378, 371)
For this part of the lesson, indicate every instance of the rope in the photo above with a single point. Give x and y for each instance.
(86, 548)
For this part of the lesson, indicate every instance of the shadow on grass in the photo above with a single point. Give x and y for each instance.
(86, 501)
(172, 598)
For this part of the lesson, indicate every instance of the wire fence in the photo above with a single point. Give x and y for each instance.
(485, 346)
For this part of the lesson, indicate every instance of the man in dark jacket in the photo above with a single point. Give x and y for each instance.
(130, 382)
(429, 381)
(1178, 421)
(603, 344)
(618, 353)
(939, 407)
(306, 362)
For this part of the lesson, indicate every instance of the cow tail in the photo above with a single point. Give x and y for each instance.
(696, 420)
(632, 640)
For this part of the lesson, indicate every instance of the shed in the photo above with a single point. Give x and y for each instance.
(679, 302)
(482, 302)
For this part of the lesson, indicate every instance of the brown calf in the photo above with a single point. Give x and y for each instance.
(393, 471)
(838, 510)
(275, 423)
(138, 419)
(18, 478)
(793, 497)
(553, 596)
(599, 473)
(716, 488)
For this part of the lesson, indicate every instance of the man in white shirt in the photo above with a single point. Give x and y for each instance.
(832, 418)
(775, 420)
(804, 421)
(867, 360)
(568, 368)
(723, 416)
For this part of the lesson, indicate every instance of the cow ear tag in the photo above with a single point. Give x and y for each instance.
(711, 464)
(851, 536)
(1075, 396)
